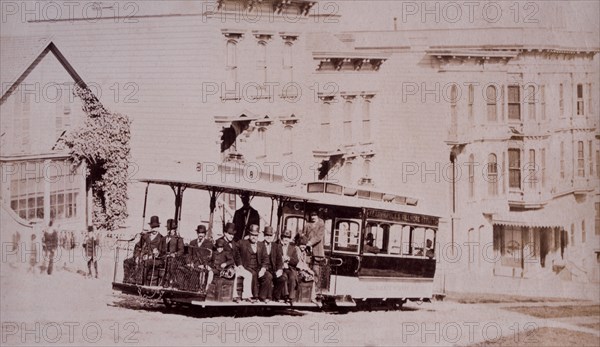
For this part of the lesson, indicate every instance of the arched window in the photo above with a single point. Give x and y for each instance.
(262, 138)
(289, 143)
(367, 168)
(562, 160)
(347, 122)
(453, 111)
(471, 101)
(288, 62)
(231, 61)
(531, 102)
(471, 165)
(325, 124)
(366, 121)
(348, 171)
(261, 61)
(490, 96)
(492, 174)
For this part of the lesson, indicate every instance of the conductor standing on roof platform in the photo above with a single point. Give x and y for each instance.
(244, 217)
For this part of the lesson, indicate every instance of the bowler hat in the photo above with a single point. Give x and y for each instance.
(201, 229)
(301, 241)
(220, 243)
(268, 231)
(286, 233)
(230, 228)
(154, 222)
(253, 229)
(171, 224)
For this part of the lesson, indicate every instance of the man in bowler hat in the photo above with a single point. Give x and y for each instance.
(290, 260)
(252, 257)
(171, 250)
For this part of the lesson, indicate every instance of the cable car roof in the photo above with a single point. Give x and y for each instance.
(260, 188)
(336, 194)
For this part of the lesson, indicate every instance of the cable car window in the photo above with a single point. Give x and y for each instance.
(327, 241)
(346, 236)
(406, 233)
(418, 241)
(395, 240)
(430, 243)
(295, 224)
(376, 238)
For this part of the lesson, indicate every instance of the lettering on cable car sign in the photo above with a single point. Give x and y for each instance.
(395, 216)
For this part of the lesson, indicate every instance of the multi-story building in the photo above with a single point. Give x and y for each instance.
(503, 138)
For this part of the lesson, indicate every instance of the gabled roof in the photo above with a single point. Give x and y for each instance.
(20, 55)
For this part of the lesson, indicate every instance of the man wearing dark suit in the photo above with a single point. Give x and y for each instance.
(200, 248)
(275, 267)
(171, 250)
(150, 248)
(253, 257)
(244, 217)
(240, 273)
(290, 260)
(228, 236)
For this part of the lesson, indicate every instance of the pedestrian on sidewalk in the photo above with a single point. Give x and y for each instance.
(91, 245)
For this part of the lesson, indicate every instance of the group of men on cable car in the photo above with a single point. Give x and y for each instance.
(269, 270)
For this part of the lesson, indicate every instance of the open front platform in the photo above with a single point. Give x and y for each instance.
(156, 292)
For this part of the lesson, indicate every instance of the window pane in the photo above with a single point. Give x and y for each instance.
(406, 240)
(514, 162)
(347, 236)
(395, 239)
(514, 103)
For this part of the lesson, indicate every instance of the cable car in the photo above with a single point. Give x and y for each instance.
(378, 250)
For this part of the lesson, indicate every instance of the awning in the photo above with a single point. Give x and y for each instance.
(534, 219)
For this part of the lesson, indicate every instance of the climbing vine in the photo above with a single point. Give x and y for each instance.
(102, 142)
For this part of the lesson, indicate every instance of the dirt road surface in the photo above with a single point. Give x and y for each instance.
(68, 309)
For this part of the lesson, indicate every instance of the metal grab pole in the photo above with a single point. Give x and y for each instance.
(272, 203)
(279, 214)
(145, 201)
(213, 204)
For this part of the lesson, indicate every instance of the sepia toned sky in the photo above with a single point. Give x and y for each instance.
(356, 15)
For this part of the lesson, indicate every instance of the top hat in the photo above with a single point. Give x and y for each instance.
(201, 229)
(286, 233)
(253, 229)
(220, 243)
(230, 228)
(268, 231)
(171, 224)
(154, 222)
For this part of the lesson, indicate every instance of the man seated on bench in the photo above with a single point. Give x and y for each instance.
(222, 262)
(134, 267)
(200, 251)
(151, 245)
(171, 250)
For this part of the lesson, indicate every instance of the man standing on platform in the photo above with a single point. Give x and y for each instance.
(314, 232)
(244, 217)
